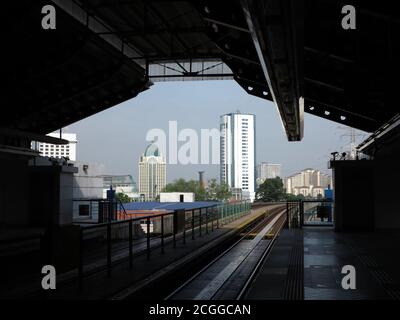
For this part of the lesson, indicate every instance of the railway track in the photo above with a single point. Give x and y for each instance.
(228, 275)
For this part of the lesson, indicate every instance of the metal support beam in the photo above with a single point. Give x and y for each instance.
(286, 92)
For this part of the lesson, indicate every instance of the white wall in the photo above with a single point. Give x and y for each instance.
(175, 196)
(88, 183)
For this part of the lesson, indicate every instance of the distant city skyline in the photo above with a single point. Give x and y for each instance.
(116, 138)
(308, 182)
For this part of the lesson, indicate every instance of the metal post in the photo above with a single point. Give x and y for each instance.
(162, 234)
(130, 244)
(212, 219)
(301, 213)
(192, 224)
(80, 268)
(184, 229)
(109, 249)
(287, 214)
(207, 220)
(148, 237)
(217, 211)
(174, 228)
(200, 221)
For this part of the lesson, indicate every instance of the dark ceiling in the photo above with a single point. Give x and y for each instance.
(350, 76)
(278, 50)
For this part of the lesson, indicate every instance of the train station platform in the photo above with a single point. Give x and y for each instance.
(316, 274)
(125, 282)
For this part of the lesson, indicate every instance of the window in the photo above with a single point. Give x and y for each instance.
(84, 210)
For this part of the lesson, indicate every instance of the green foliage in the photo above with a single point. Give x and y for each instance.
(290, 196)
(271, 190)
(214, 190)
(217, 191)
(124, 198)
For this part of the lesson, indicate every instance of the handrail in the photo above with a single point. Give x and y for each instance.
(203, 218)
(98, 225)
(123, 208)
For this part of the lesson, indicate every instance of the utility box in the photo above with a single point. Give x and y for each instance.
(177, 197)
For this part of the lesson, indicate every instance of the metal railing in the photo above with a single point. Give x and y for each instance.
(98, 210)
(232, 211)
(318, 213)
(104, 244)
(301, 213)
(294, 217)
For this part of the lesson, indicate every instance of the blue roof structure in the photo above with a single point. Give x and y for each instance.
(153, 205)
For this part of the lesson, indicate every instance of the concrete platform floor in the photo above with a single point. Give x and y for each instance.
(373, 255)
(325, 254)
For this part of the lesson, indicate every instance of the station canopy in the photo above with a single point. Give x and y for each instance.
(292, 52)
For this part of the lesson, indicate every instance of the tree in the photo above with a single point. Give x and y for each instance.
(214, 190)
(123, 197)
(181, 185)
(271, 190)
(217, 191)
(292, 197)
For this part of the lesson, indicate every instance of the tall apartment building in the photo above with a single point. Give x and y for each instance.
(55, 150)
(237, 152)
(267, 171)
(309, 182)
(152, 173)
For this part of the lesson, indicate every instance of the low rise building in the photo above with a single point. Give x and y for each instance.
(67, 151)
(121, 184)
(177, 197)
(309, 183)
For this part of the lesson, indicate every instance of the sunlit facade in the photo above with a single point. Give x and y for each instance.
(152, 173)
(237, 152)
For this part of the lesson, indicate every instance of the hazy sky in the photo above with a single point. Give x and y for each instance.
(117, 137)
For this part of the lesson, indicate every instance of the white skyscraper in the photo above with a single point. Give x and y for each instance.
(58, 151)
(238, 152)
(152, 173)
